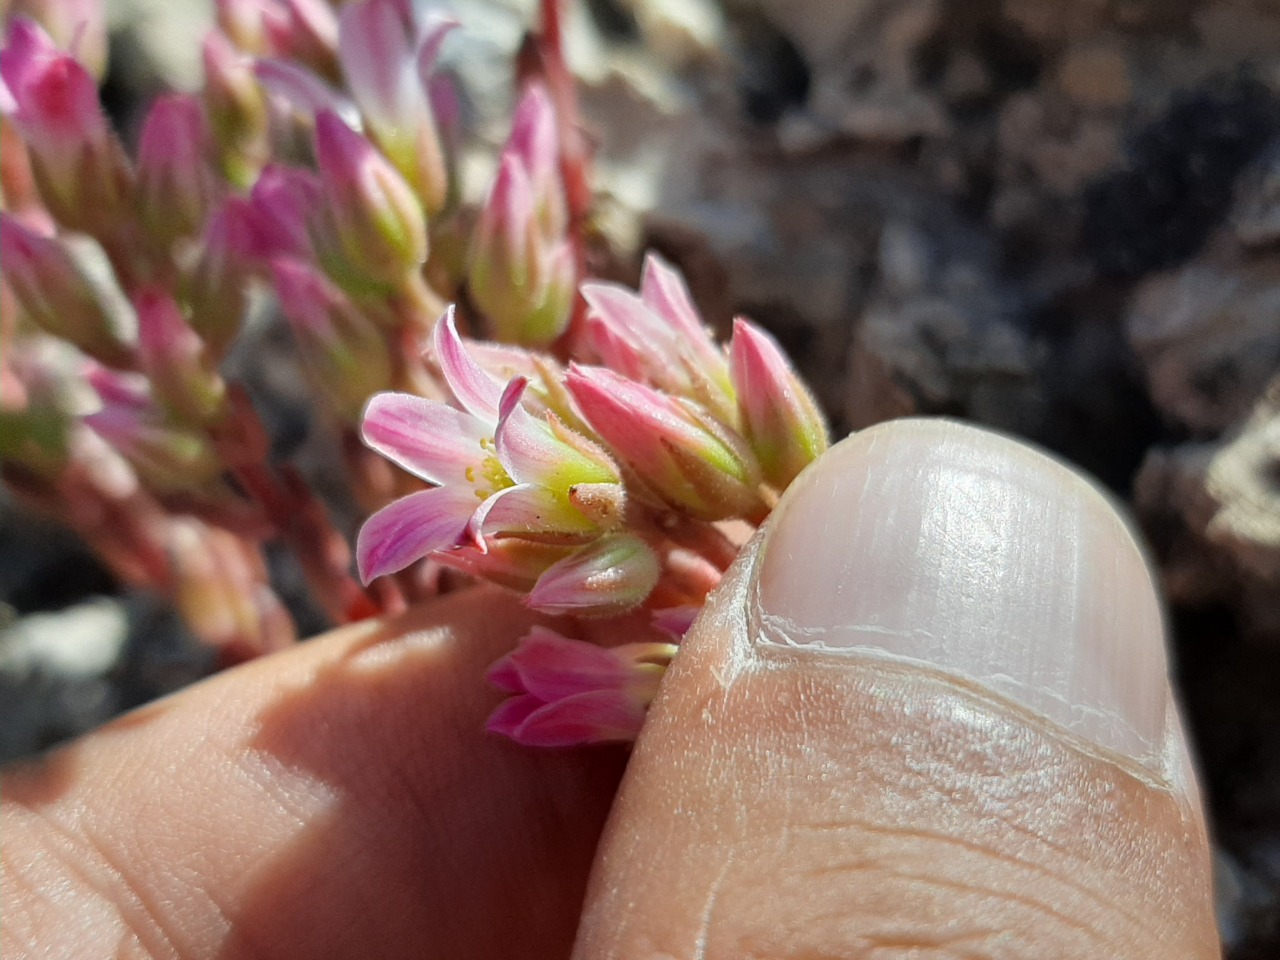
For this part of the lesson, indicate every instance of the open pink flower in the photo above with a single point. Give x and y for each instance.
(569, 692)
(497, 469)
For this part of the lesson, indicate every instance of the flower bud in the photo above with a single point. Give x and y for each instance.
(780, 418)
(217, 293)
(168, 458)
(344, 352)
(608, 577)
(173, 357)
(388, 78)
(36, 419)
(77, 26)
(682, 455)
(176, 186)
(378, 220)
(55, 293)
(285, 200)
(306, 32)
(79, 166)
(534, 141)
(521, 277)
(244, 22)
(237, 110)
(570, 692)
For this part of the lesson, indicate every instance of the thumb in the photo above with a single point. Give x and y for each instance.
(927, 714)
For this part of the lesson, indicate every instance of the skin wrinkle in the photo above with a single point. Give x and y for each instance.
(878, 753)
(932, 836)
(63, 843)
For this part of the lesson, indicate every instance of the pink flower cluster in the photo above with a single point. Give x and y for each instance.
(598, 487)
(581, 443)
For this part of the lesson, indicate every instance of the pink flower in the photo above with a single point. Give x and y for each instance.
(176, 185)
(167, 457)
(679, 452)
(172, 355)
(607, 577)
(54, 98)
(76, 26)
(497, 469)
(83, 175)
(387, 65)
(345, 354)
(522, 271)
(377, 218)
(55, 293)
(656, 337)
(568, 692)
(780, 418)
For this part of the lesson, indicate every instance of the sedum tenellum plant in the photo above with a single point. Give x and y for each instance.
(501, 415)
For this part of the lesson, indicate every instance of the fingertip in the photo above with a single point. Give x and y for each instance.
(909, 720)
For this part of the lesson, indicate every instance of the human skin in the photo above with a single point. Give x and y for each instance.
(927, 715)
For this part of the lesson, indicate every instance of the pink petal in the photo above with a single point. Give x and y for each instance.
(531, 452)
(436, 26)
(478, 391)
(411, 527)
(783, 423)
(529, 511)
(663, 290)
(609, 576)
(505, 676)
(373, 45)
(430, 439)
(510, 714)
(676, 621)
(302, 90)
(600, 716)
(551, 666)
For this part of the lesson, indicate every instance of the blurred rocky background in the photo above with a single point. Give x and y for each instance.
(1060, 218)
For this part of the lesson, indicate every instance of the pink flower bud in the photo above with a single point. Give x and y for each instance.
(168, 458)
(173, 357)
(521, 277)
(344, 352)
(605, 578)
(378, 219)
(307, 32)
(301, 90)
(217, 293)
(676, 450)
(237, 109)
(55, 293)
(77, 26)
(387, 69)
(36, 423)
(245, 23)
(285, 201)
(657, 338)
(569, 692)
(780, 418)
(534, 142)
(176, 186)
(79, 166)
